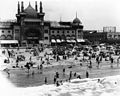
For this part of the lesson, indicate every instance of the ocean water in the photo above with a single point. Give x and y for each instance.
(107, 86)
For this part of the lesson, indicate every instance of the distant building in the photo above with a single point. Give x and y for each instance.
(109, 29)
(113, 37)
(30, 27)
(95, 37)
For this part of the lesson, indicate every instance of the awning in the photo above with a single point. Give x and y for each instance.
(62, 40)
(53, 41)
(68, 37)
(102, 44)
(73, 41)
(24, 41)
(58, 41)
(68, 40)
(8, 41)
(80, 40)
(41, 42)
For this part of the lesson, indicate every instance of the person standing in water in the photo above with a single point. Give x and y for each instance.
(45, 80)
(87, 74)
(63, 71)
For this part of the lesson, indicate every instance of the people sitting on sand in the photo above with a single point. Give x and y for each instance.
(79, 77)
(57, 83)
(75, 74)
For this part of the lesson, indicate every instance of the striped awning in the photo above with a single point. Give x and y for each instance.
(69, 41)
(73, 41)
(58, 41)
(53, 41)
(80, 40)
(41, 42)
(62, 40)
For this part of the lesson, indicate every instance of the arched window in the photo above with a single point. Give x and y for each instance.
(53, 37)
(9, 31)
(32, 32)
(58, 31)
(73, 37)
(58, 37)
(2, 37)
(63, 37)
(9, 37)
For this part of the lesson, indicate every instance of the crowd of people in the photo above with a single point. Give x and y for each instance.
(62, 53)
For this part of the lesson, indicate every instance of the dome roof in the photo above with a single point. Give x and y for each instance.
(77, 20)
(30, 12)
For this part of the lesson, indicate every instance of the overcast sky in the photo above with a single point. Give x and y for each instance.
(94, 14)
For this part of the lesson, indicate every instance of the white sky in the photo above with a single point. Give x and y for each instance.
(94, 14)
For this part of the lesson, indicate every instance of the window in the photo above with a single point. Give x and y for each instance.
(2, 31)
(8, 31)
(52, 36)
(16, 30)
(119, 36)
(79, 31)
(115, 36)
(46, 31)
(52, 31)
(110, 36)
(57, 31)
(46, 38)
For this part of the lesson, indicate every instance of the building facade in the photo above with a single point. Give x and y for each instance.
(6, 30)
(113, 37)
(95, 37)
(31, 27)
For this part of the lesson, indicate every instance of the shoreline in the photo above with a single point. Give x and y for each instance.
(94, 73)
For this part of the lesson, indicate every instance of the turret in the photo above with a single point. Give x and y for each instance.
(41, 9)
(41, 13)
(22, 7)
(18, 8)
(36, 9)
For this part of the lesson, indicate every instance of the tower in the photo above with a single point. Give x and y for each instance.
(36, 6)
(30, 22)
(41, 9)
(76, 14)
(22, 7)
(41, 13)
(18, 8)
